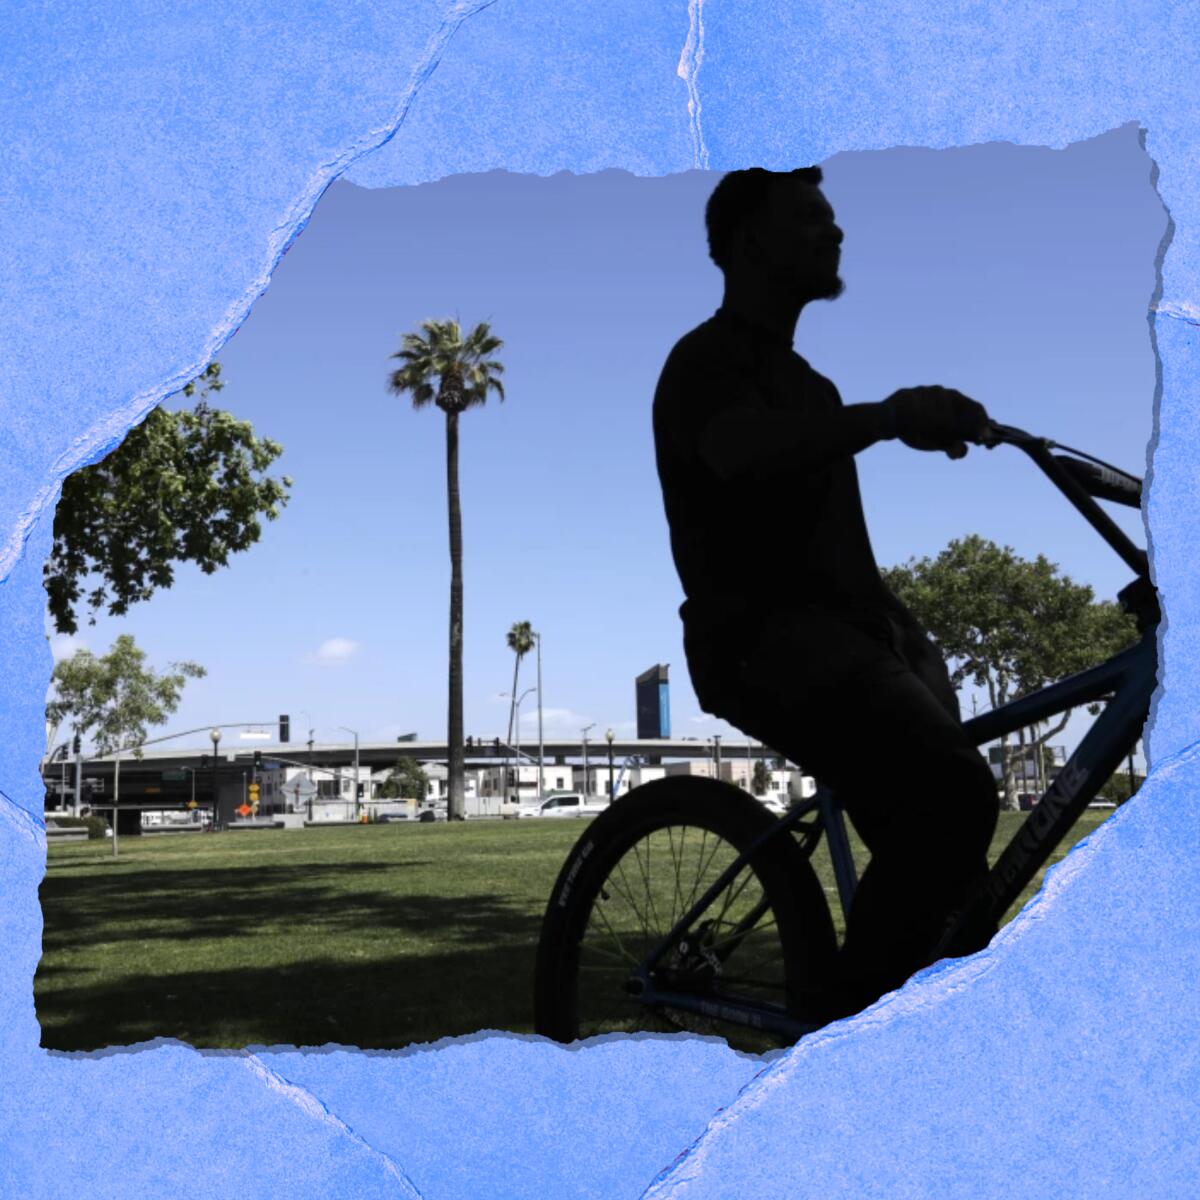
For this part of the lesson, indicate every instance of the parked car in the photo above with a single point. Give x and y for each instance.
(569, 804)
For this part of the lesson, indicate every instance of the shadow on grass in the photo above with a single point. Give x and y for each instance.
(145, 904)
(377, 953)
(482, 978)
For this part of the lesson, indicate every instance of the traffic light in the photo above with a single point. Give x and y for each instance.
(78, 744)
(258, 760)
(204, 762)
(285, 727)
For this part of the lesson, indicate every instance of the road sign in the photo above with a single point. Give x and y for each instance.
(253, 790)
(244, 809)
(191, 804)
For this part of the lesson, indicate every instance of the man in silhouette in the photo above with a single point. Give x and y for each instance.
(821, 662)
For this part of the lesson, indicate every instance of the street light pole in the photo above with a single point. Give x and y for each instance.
(583, 735)
(215, 735)
(78, 799)
(356, 784)
(517, 739)
(541, 743)
(116, 796)
(609, 735)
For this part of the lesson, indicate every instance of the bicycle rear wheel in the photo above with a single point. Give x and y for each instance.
(765, 939)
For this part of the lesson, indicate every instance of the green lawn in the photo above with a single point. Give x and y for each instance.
(376, 936)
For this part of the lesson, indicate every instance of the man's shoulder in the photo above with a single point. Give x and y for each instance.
(712, 346)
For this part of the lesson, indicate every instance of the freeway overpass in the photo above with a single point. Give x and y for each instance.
(168, 778)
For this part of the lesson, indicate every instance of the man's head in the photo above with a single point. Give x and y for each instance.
(776, 226)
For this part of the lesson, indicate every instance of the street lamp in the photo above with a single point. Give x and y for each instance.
(541, 744)
(215, 735)
(583, 737)
(192, 773)
(517, 726)
(608, 737)
(343, 727)
(306, 713)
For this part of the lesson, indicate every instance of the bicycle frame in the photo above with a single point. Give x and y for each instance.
(1128, 679)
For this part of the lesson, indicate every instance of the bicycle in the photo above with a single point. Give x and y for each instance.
(728, 931)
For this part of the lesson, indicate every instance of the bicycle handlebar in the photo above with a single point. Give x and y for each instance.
(1081, 482)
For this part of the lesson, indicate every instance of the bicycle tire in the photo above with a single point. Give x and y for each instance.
(803, 943)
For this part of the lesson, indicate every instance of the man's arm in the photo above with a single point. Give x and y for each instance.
(745, 435)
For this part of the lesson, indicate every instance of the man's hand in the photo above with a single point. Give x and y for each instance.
(933, 418)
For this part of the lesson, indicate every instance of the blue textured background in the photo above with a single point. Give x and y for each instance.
(158, 164)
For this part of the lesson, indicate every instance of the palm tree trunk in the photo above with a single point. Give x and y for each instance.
(512, 699)
(456, 806)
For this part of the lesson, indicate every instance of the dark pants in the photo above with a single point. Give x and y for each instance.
(864, 703)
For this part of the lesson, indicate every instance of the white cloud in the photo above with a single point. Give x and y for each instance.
(711, 725)
(560, 720)
(566, 722)
(63, 645)
(333, 652)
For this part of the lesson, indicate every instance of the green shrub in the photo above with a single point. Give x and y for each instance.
(96, 826)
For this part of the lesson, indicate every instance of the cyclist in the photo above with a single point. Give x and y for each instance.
(821, 662)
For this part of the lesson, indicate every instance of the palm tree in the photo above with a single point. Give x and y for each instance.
(520, 642)
(464, 374)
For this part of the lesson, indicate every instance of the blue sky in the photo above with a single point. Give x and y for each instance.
(1019, 275)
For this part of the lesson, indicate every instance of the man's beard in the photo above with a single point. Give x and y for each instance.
(825, 287)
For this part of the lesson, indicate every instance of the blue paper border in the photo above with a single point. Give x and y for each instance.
(274, 104)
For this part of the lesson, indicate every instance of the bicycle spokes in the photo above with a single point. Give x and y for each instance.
(733, 950)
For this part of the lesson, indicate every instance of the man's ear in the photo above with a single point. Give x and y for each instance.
(748, 240)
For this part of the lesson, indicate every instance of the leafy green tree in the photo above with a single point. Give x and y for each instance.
(455, 373)
(184, 486)
(407, 781)
(1121, 787)
(760, 781)
(116, 697)
(1009, 625)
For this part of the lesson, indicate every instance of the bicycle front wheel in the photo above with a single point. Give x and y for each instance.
(763, 940)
